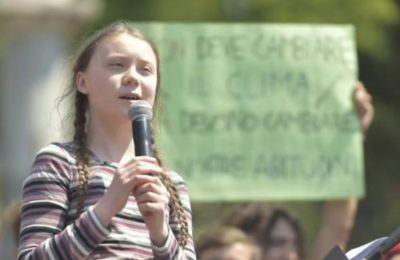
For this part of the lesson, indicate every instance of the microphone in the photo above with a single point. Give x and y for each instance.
(141, 114)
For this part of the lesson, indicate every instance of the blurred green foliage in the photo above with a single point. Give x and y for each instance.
(378, 39)
(370, 17)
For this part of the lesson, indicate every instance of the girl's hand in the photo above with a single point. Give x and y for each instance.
(152, 198)
(122, 185)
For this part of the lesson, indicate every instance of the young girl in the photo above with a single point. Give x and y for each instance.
(92, 198)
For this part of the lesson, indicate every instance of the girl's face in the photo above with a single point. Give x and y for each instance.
(122, 70)
(282, 245)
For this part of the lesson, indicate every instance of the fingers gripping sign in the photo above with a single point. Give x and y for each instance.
(364, 107)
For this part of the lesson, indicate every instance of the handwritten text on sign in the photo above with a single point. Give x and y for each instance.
(260, 111)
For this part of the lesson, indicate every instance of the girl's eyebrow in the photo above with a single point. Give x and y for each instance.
(116, 56)
(123, 56)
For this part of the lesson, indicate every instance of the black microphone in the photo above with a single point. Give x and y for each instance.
(141, 114)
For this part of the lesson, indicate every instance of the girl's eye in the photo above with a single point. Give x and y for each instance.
(116, 64)
(147, 69)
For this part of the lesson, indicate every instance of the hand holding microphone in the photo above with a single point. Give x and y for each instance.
(151, 195)
(140, 177)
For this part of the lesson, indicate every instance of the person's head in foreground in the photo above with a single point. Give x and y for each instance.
(227, 243)
(276, 230)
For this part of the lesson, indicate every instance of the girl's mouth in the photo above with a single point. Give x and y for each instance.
(130, 96)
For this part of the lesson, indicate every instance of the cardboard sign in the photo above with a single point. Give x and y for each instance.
(259, 111)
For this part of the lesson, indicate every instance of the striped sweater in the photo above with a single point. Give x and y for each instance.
(50, 228)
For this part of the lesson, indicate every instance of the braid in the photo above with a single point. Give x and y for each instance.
(175, 201)
(81, 151)
(177, 206)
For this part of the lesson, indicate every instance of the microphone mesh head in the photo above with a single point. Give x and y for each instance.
(140, 108)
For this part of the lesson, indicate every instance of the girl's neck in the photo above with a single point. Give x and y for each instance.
(109, 141)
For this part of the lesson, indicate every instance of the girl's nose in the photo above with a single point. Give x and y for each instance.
(131, 78)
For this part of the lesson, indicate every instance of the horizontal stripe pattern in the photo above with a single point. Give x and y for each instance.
(50, 229)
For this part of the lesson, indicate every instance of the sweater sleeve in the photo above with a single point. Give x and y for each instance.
(45, 201)
(171, 249)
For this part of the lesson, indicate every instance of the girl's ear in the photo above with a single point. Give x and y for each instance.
(81, 82)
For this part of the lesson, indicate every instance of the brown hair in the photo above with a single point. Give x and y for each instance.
(81, 103)
(258, 220)
(283, 214)
(225, 237)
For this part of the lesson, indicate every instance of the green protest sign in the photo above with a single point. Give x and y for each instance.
(260, 111)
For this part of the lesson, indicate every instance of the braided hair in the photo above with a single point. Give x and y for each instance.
(80, 121)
